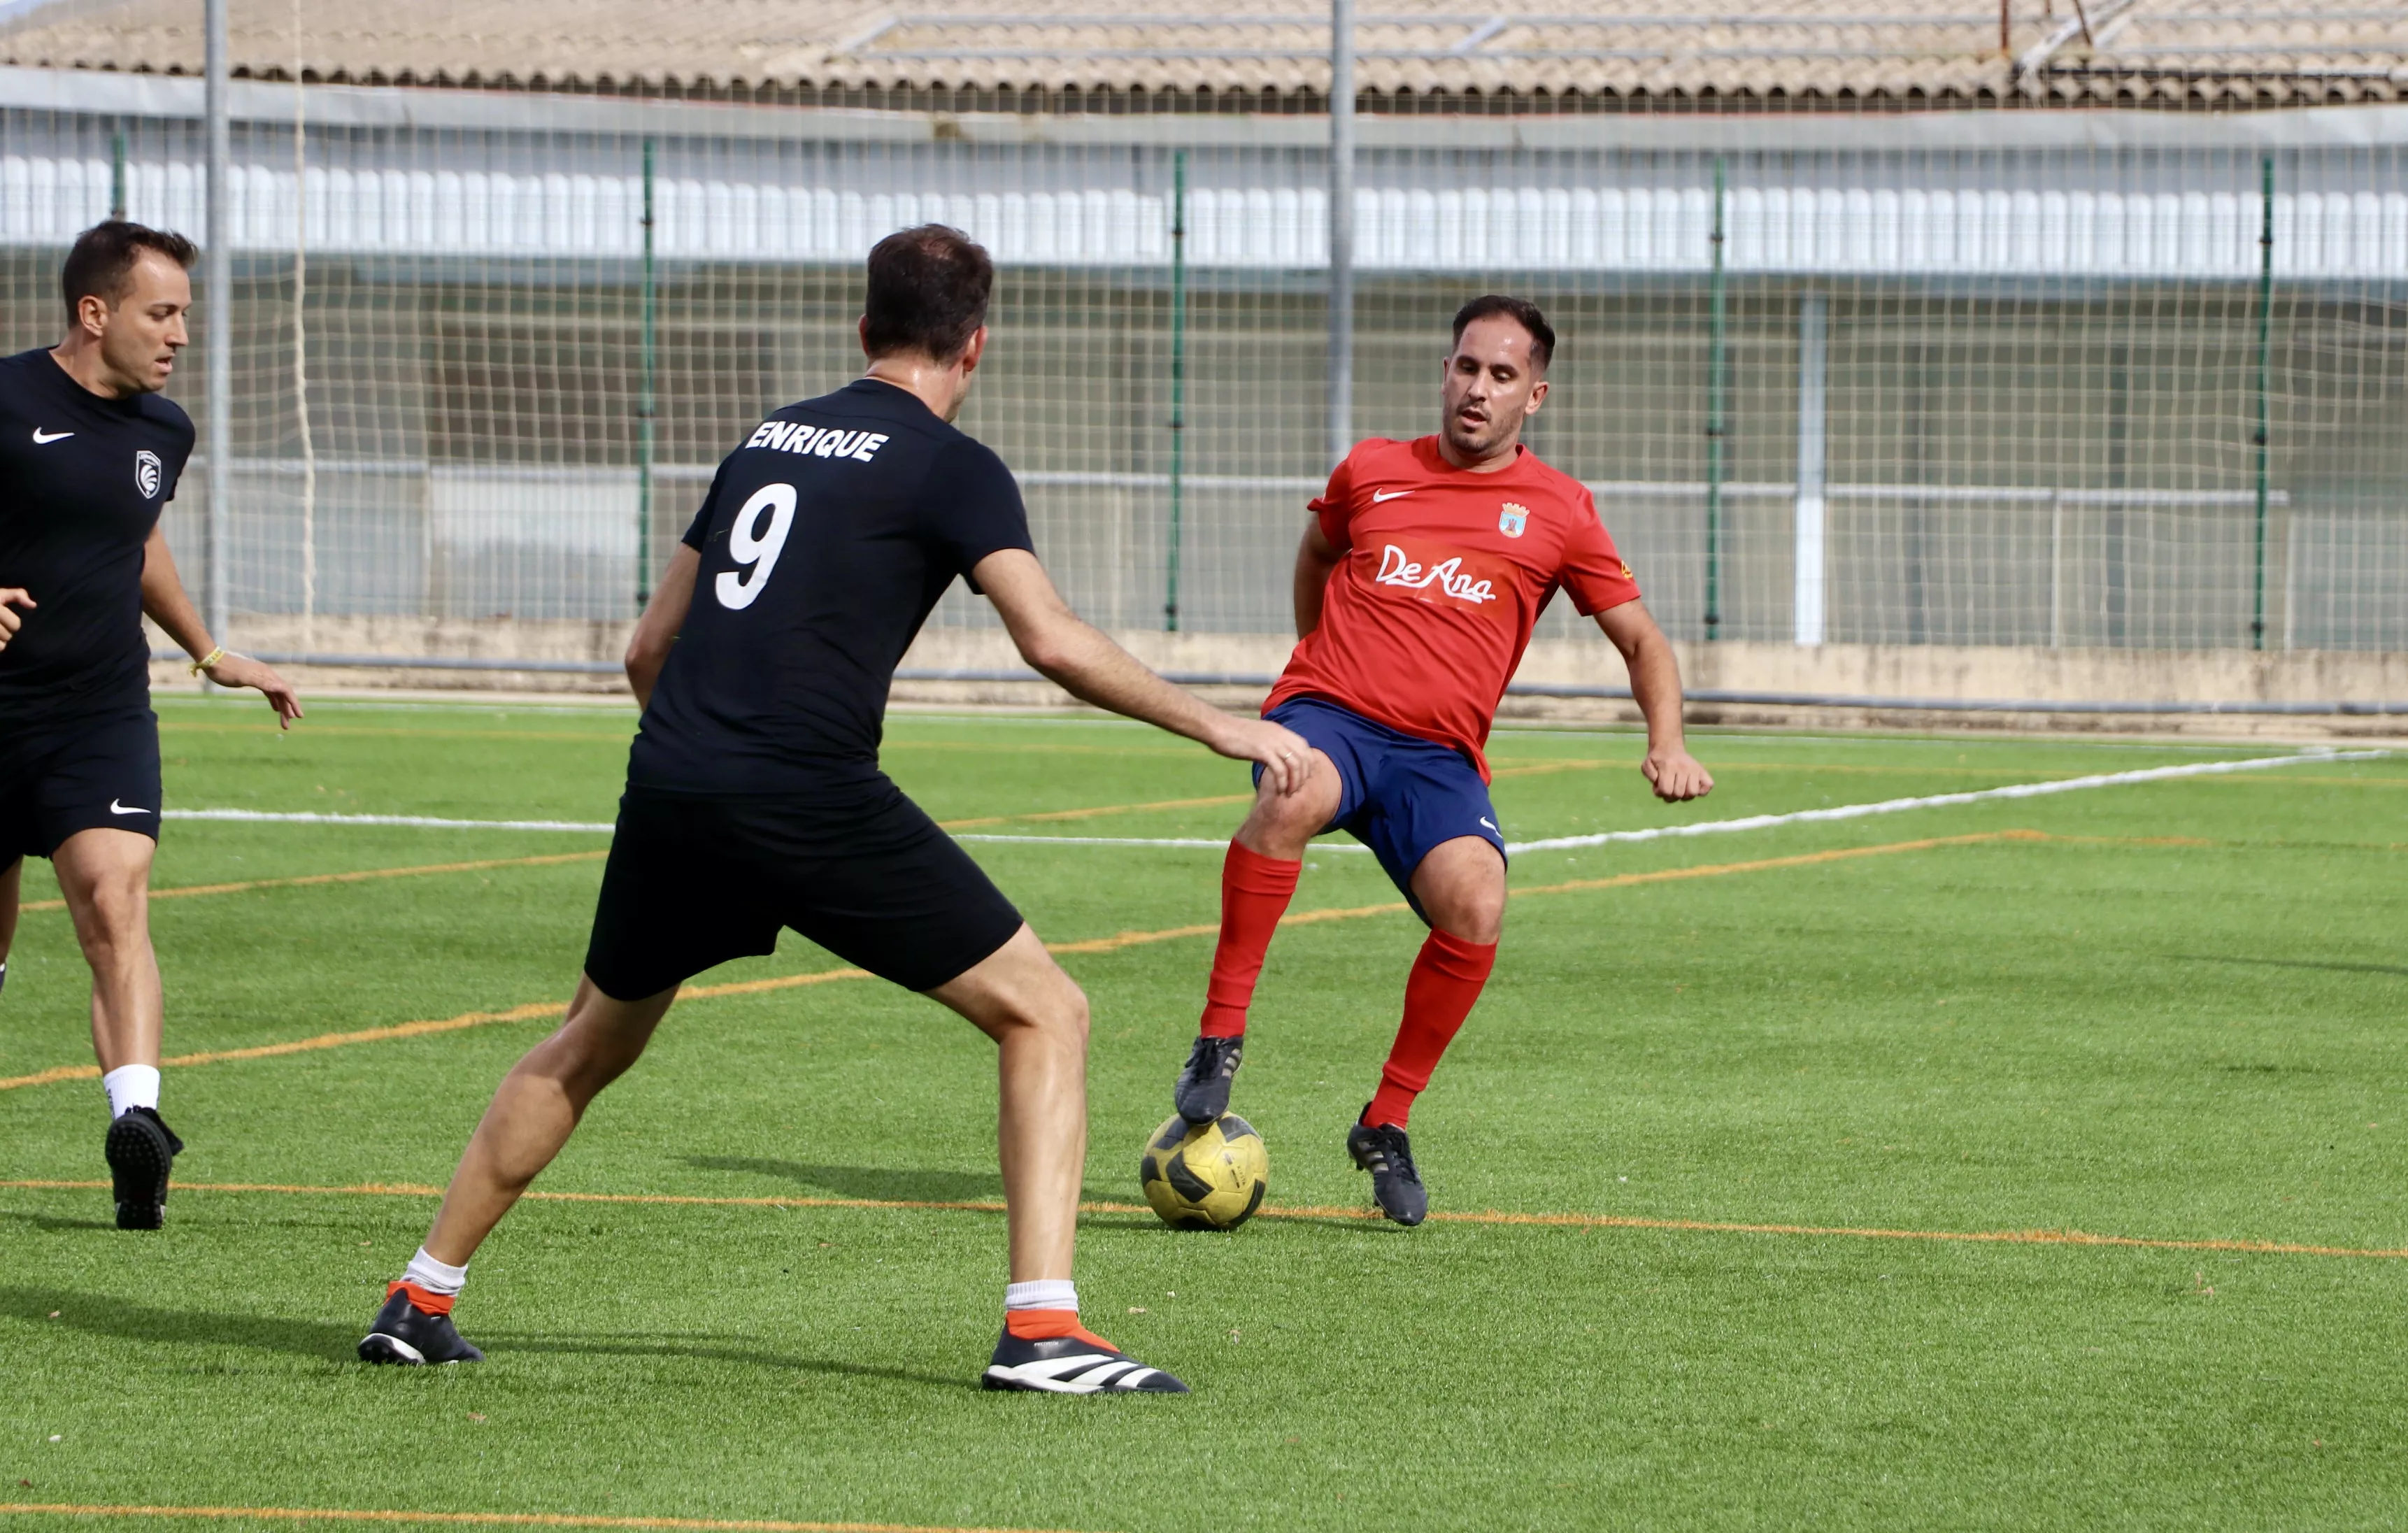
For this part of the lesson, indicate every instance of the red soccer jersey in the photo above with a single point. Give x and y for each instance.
(1443, 574)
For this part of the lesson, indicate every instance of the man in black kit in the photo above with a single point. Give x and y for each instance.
(89, 453)
(754, 798)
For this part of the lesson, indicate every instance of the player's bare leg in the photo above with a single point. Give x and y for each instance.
(534, 1111)
(104, 876)
(1257, 880)
(1281, 824)
(9, 882)
(1460, 886)
(1038, 1017)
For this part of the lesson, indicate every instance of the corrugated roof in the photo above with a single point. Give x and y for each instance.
(1596, 54)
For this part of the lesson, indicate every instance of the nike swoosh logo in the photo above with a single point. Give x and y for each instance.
(1490, 823)
(1379, 495)
(116, 807)
(43, 438)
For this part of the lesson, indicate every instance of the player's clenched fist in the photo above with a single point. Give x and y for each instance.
(1676, 775)
(13, 597)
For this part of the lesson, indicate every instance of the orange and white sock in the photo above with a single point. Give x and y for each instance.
(432, 1285)
(1045, 1309)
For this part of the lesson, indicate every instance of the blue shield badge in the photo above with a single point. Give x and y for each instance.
(1512, 519)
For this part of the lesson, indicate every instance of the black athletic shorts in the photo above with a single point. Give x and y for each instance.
(60, 777)
(696, 880)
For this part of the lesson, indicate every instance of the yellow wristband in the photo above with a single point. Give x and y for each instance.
(207, 660)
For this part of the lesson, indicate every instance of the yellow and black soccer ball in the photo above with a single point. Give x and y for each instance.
(1209, 1176)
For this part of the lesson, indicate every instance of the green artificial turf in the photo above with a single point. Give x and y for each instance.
(2182, 1015)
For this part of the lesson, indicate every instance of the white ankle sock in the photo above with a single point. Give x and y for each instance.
(433, 1276)
(1044, 1294)
(131, 1085)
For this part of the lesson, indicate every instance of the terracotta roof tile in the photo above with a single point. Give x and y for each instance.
(2169, 51)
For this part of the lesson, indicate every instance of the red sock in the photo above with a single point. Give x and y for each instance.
(1042, 1324)
(1446, 979)
(1254, 892)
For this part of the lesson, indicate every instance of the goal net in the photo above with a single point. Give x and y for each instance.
(1838, 379)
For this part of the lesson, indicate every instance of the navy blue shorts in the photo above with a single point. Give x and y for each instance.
(1399, 794)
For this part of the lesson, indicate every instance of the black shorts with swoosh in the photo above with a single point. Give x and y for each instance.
(76, 774)
(697, 879)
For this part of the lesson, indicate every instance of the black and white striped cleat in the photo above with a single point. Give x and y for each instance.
(1081, 1363)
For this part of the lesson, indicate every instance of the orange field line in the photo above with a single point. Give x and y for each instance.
(1311, 1213)
(314, 880)
(1221, 800)
(1043, 748)
(305, 1045)
(474, 1519)
(1803, 859)
(528, 1012)
(1092, 945)
(1548, 768)
(1215, 801)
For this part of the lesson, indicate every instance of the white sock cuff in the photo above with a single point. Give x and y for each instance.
(131, 1086)
(433, 1276)
(1044, 1294)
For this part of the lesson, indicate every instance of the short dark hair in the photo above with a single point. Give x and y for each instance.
(928, 291)
(1522, 311)
(101, 265)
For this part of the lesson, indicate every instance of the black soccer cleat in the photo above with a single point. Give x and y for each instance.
(1079, 1364)
(1202, 1092)
(405, 1333)
(140, 1149)
(1388, 1156)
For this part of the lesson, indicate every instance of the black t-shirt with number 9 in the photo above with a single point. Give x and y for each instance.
(826, 539)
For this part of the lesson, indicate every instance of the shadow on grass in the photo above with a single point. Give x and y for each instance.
(2295, 963)
(889, 1184)
(886, 1183)
(96, 1315)
(505, 1343)
(52, 1221)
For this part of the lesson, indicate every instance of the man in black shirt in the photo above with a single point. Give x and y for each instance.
(755, 800)
(89, 454)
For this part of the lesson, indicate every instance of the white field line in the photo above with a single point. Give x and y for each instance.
(1946, 800)
(1558, 843)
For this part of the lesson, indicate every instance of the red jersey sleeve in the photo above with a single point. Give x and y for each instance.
(1593, 571)
(1335, 508)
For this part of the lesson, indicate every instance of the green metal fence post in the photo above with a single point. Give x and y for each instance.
(116, 175)
(1716, 420)
(2265, 363)
(1178, 378)
(646, 401)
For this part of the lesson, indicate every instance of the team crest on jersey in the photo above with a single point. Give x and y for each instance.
(146, 473)
(1512, 519)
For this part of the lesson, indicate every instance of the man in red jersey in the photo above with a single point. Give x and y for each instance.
(1423, 572)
